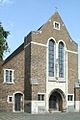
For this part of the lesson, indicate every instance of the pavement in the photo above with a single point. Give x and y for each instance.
(52, 116)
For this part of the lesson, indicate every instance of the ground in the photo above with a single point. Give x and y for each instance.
(25, 116)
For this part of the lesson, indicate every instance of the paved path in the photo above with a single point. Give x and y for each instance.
(25, 116)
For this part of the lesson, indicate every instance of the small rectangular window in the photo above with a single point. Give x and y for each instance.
(10, 99)
(41, 97)
(8, 75)
(70, 97)
(56, 25)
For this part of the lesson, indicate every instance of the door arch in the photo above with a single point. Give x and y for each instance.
(18, 102)
(56, 100)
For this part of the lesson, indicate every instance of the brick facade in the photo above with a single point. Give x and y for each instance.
(30, 65)
(17, 64)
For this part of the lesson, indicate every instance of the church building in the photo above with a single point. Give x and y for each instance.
(41, 75)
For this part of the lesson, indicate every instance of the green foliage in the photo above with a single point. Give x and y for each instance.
(3, 43)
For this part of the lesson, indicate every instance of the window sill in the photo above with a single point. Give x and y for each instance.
(10, 102)
(59, 80)
(10, 83)
(56, 28)
(51, 79)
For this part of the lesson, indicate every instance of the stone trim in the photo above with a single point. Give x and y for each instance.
(69, 103)
(72, 97)
(8, 98)
(71, 51)
(27, 45)
(38, 107)
(14, 101)
(77, 106)
(5, 76)
(54, 27)
(38, 44)
(41, 93)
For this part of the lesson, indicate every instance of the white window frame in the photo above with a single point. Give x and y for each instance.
(55, 22)
(72, 97)
(8, 99)
(41, 96)
(5, 76)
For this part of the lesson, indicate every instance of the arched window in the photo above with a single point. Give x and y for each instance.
(51, 58)
(61, 59)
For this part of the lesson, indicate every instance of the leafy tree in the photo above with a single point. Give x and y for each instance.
(3, 43)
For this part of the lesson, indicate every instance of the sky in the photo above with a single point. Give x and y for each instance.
(22, 16)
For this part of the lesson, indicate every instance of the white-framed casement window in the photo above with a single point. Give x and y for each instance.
(70, 97)
(8, 76)
(56, 25)
(41, 97)
(10, 99)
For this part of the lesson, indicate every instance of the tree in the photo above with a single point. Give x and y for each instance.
(3, 43)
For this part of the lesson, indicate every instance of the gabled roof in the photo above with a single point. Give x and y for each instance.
(57, 14)
(21, 47)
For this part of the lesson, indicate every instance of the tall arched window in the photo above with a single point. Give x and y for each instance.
(51, 58)
(61, 59)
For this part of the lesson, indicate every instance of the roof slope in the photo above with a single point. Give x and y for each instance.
(17, 51)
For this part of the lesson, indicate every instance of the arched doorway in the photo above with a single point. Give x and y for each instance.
(56, 100)
(18, 102)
